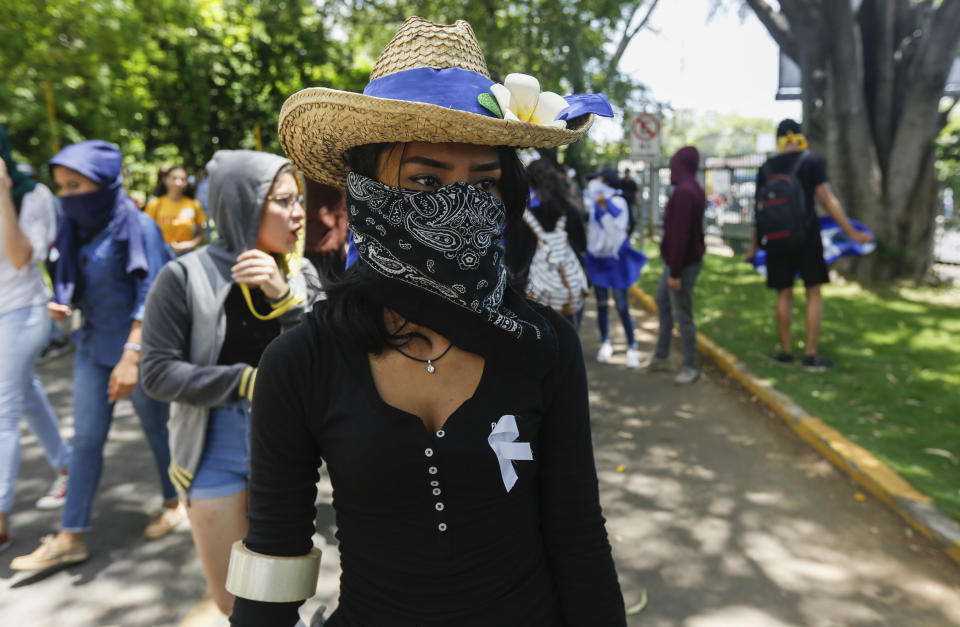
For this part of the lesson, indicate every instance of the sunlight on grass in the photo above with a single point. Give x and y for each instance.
(897, 348)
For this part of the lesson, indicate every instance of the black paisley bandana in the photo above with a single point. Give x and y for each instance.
(445, 242)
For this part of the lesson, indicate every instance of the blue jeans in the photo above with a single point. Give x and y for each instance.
(92, 417)
(23, 335)
(623, 308)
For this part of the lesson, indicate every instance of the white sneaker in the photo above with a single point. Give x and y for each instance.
(56, 496)
(605, 353)
(687, 375)
(633, 358)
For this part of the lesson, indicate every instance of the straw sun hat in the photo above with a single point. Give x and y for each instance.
(430, 84)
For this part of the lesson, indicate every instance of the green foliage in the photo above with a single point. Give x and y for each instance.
(948, 156)
(893, 390)
(167, 80)
(715, 134)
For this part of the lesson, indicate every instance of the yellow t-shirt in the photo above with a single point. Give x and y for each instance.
(179, 220)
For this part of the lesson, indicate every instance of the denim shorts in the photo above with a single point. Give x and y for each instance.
(225, 463)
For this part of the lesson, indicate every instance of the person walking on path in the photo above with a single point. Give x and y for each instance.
(109, 253)
(795, 161)
(612, 264)
(682, 249)
(209, 316)
(549, 205)
(629, 188)
(180, 217)
(451, 412)
(28, 222)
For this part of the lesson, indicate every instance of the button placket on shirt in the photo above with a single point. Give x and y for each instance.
(434, 483)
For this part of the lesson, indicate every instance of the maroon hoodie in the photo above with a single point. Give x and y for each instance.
(682, 242)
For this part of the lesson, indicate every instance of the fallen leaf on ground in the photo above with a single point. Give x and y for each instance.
(912, 402)
(860, 496)
(637, 607)
(942, 453)
(683, 414)
(621, 468)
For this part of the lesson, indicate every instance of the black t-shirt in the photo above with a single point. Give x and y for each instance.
(629, 189)
(247, 337)
(428, 533)
(812, 172)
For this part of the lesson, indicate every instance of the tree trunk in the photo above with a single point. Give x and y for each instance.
(872, 83)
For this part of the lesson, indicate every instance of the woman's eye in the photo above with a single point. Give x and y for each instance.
(426, 180)
(487, 184)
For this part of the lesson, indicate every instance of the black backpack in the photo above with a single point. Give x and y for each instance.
(781, 213)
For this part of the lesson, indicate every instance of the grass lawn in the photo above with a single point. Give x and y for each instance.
(896, 388)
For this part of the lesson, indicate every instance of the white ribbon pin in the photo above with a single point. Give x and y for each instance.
(501, 440)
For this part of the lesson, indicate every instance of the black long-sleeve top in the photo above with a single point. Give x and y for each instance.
(428, 533)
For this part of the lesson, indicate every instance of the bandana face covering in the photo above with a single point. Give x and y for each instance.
(92, 211)
(444, 242)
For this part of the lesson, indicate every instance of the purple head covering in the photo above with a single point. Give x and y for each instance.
(85, 215)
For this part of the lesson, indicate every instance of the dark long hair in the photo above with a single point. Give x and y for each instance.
(160, 189)
(552, 190)
(349, 310)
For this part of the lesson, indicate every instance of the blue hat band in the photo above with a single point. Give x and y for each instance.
(450, 88)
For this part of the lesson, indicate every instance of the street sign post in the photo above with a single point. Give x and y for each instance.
(645, 137)
(645, 146)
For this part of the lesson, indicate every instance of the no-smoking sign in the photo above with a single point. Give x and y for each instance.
(645, 137)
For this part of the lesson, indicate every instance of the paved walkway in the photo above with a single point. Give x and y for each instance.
(718, 515)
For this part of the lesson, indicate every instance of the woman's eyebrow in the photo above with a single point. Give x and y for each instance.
(486, 167)
(429, 163)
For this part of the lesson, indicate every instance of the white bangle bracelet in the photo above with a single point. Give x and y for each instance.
(269, 578)
(130, 346)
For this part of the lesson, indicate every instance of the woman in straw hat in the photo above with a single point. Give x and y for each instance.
(451, 413)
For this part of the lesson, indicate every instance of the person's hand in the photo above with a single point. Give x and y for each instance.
(58, 312)
(751, 254)
(861, 237)
(124, 376)
(256, 268)
(674, 284)
(5, 183)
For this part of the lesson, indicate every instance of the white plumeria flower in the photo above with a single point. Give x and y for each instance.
(520, 99)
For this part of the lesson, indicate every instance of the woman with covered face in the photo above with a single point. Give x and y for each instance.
(108, 254)
(209, 317)
(450, 412)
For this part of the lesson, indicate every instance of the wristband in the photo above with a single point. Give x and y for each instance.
(130, 346)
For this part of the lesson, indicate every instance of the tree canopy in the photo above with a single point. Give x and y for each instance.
(164, 79)
(173, 80)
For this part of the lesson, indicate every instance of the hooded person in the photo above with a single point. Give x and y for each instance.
(451, 413)
(210, 315)
(107, 256)
(682, 249)
(612, 263)
(28, 222)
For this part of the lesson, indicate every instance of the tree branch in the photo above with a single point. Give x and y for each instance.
(629, 34)
(777, 25)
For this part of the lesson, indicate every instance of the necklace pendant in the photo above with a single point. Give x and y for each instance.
(430, 368)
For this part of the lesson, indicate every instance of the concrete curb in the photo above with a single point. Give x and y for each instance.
(875, 476)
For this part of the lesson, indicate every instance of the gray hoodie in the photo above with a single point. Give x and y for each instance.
(184, 323)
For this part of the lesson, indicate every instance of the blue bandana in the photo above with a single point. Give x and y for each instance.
(85, 215)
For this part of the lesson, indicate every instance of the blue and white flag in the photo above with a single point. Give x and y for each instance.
(836, 244)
